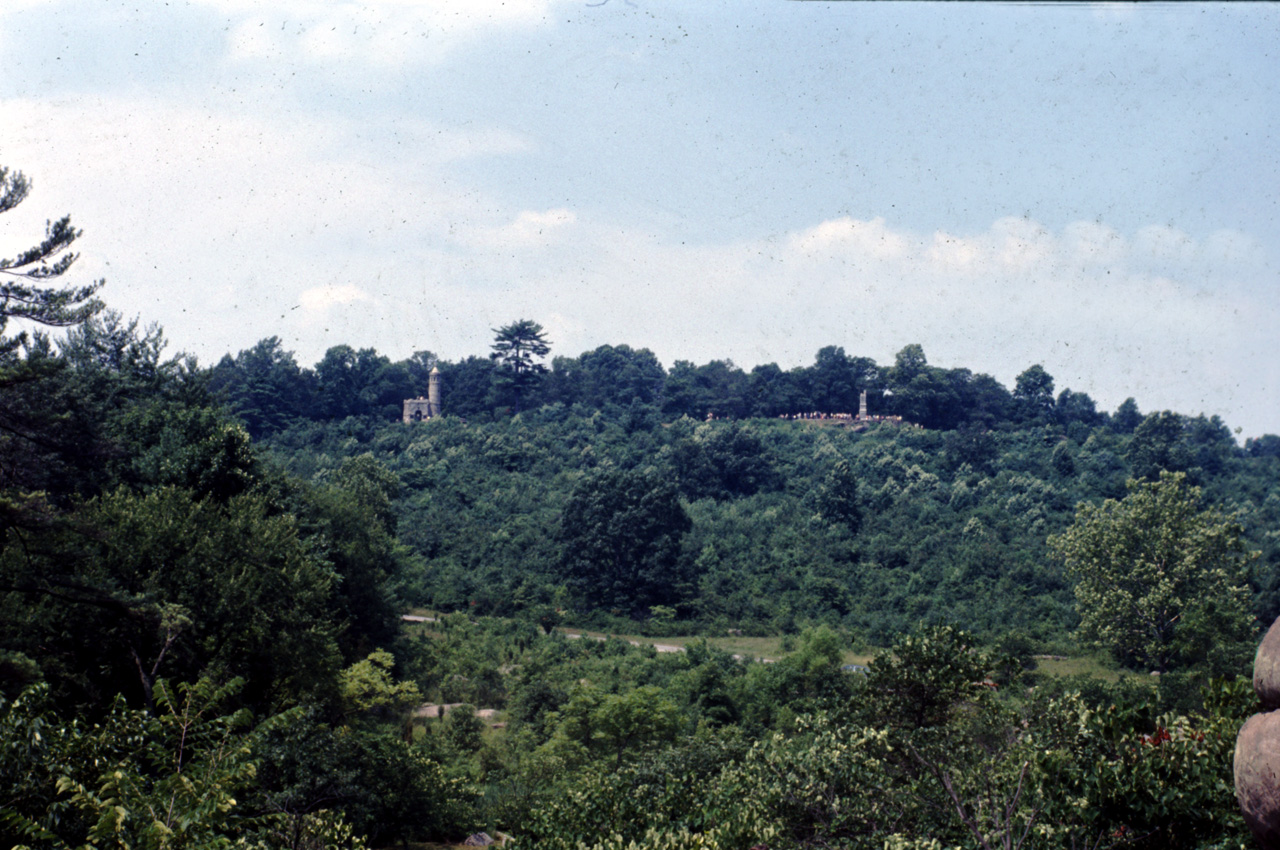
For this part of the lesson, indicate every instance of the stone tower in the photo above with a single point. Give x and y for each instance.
(433, 393)
(418, 409)
(862, 405)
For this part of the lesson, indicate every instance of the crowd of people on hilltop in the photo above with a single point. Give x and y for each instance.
(820, 416)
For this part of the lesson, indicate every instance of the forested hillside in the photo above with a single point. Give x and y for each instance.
(755, 520)
(204, 572)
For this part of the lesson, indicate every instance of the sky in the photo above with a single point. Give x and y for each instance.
(1091, 187)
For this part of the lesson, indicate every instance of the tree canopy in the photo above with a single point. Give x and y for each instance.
(622, 531)
(518, 349)
(1159, 581)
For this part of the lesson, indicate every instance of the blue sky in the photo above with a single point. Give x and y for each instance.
(1090, 187)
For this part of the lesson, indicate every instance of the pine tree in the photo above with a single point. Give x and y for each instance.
(25, 292)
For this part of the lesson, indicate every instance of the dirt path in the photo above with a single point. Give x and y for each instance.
(659, 647)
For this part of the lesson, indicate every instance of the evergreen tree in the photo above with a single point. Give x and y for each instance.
(24, 289)
(517, 348)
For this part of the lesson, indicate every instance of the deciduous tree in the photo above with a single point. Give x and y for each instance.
(1159, 582)
(621, 533)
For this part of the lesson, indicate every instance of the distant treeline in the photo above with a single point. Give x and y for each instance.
(269, 390)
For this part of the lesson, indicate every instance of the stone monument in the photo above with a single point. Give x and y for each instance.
(418, 409)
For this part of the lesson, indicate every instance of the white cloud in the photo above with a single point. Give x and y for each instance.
(1164, 243)
(871, 240)
(379, 35)
(1092, 243)
(321, 298)
(218, 225)
(1020, 244)
(530, 229)
(953, 255)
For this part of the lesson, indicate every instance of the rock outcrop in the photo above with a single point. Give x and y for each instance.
(1257, 759)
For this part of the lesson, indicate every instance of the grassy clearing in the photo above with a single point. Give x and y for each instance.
(771, 649)
(762, 648)
(1088, 665)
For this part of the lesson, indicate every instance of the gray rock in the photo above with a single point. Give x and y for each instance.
(1257, 772)
(1266, 668)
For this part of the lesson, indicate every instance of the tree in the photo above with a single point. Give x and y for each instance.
(925, 678)
(265, 386)
(1159, 582)
(836, 379)
(368, 686)
(974, 446)
(153, 780)
(610, 374)
(1268, 445)
(924, 394)
(516, 349)
(838, 500)
(355, 517)
(723, 461)
(1076, 407)
(1127, 417)
(908, 363)
(1157, 446)
(773, 392)
(168, 584)
(22, 295)
(718, 388)
(621, 533)
(468, 386)
(643, 717)
(360, 383)
(1034, 389)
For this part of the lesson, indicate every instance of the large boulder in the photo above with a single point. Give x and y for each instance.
(1266, 668)
(1257, 770)
(1257, 760)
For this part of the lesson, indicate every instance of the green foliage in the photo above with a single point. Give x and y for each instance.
(1157, 446)
(171, 779)
(1159, 582)
(195, 448)
(24, 293)
(641, 718)
(367, 686)
(1114, 776)
(264, 386)
(926, 676)
(621, 533)
(838, 500)
(145, 540)
(1034, 389)
(722, 462)
(171, 585)
(517, 348)
(609, 375)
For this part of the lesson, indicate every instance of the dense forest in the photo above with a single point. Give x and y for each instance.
(768, 522)
(204, 572)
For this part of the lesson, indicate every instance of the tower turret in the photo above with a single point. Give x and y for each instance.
(433, 392)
